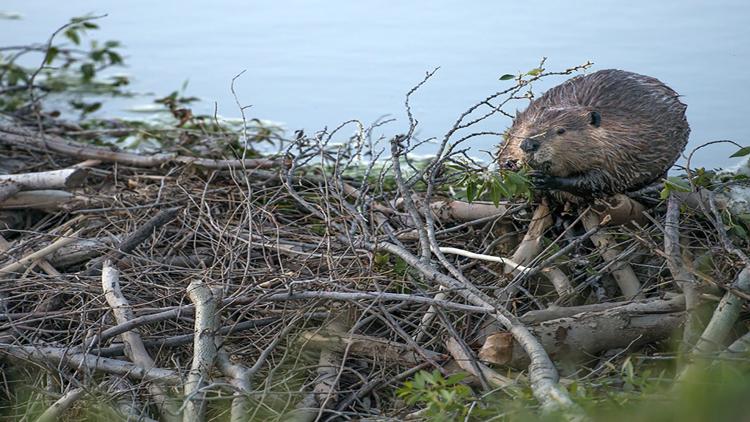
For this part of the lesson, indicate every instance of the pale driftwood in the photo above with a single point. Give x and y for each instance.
(372, 347)
(464, 361)
(54, 179)
(57, 356)
(45, 200)
(680, 272)
(55, 412)
(135, 349)
(585, 335)
(716, 334)
(41, 253)
(621, 271)
(531, 244)
(530, 248)
(675, 304)
(459, 211)
(206, 301)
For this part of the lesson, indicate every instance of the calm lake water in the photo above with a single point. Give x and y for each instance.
(311, 64)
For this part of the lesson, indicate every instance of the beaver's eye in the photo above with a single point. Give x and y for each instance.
(560, 130)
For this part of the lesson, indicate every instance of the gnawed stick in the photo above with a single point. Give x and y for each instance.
(58, 356)
(135, 349)
(716, 334)
(584, 335)
(53, 179)
(41, 253)
(55, 412)
(530, 247)
(680, 273)
(675, 304)
(531, 244)
(622, 272)
(205, 300)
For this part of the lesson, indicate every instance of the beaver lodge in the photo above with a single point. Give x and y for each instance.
(333, 282)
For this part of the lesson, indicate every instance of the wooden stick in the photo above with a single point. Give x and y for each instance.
(41, 253)
(135, 349)
(204, 349)
(622, 272)
(62, 356)
(55, 412)
(54, 179)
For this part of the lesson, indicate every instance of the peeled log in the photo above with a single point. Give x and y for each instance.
(55, 179)
(42, 200)
(582, 336)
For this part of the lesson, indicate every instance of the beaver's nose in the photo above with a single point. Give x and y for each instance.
(529, 145)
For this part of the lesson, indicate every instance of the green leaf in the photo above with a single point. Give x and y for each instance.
(90, 25)
(471, 190)
(535, 72)
(72, 35)
(456, 378)
(87, 71)
(506, 77)
(52, 52)
(741, 153)
(677, 184)
(114, 58)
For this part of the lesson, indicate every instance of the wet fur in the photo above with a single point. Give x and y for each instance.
(642, 132)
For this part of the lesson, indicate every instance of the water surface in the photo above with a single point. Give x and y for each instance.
(312, 64)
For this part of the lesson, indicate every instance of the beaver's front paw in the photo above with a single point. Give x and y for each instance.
(542, 181)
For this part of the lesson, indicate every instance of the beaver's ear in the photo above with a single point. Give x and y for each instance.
(595, 119)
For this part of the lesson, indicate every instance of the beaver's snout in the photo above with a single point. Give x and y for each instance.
(529, 145)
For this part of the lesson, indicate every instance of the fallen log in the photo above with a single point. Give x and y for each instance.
(581, 336)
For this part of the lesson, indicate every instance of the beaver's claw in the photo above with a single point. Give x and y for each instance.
(541, 181)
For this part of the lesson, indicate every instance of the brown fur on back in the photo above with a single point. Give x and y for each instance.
(642, 131)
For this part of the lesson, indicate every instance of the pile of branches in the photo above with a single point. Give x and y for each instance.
(313, 285)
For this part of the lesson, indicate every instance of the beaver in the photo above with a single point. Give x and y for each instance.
(595, 135)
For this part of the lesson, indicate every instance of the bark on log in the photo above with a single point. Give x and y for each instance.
(54, 179)
(585, 335)
(45, 200)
